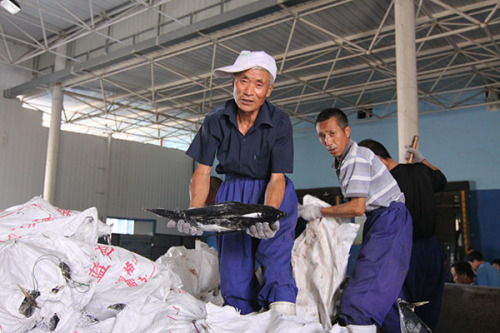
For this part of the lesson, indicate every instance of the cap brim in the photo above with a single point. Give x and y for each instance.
(228, 71)
(222, 74)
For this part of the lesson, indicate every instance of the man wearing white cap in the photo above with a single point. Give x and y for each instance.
(253, 142)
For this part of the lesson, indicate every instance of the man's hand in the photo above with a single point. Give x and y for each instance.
(310, 212)
(417, 156)
(263, 230)
(185, 227)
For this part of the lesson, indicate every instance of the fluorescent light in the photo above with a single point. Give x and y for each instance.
(11, 6)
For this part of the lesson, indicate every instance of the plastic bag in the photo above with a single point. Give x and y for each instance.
(39, 280)
(37, 217)
(319, 259)
(122, 277)
(198, 270)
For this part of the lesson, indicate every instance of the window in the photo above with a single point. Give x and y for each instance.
(131, 226)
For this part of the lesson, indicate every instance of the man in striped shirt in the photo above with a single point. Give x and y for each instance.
(387, 234)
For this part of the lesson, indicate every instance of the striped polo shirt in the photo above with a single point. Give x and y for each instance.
(362, 175)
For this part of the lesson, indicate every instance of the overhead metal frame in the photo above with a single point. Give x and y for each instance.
(158, 90)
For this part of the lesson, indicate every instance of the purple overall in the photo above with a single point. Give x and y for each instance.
(424, 282)
(380, 268)
(239, 251)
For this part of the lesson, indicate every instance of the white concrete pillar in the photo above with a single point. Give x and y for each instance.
(49, 186)
(406, 74)
(107, 178)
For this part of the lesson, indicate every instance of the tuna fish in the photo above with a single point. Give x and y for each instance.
(410, 322)
(223, 217)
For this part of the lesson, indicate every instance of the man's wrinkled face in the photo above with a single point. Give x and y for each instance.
(333, 137)
(251, 88)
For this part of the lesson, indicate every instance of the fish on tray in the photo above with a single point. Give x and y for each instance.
(222, 217)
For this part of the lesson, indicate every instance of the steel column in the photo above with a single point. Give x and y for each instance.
(406, 74)
(49, 186)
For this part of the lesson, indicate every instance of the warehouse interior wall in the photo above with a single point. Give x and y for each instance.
(141, 176)
(23, 145)
(462, 143)
(148, 176)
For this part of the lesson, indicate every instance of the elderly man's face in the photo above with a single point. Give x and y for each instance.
(251, 88)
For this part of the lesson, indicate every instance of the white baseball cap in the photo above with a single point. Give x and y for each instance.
(247, 60)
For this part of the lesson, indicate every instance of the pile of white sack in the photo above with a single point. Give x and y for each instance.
(56, 277)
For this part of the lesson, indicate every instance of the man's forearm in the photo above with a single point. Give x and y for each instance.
(199, 186)
(354, 207)
(275, 190)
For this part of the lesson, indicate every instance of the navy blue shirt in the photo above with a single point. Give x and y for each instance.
(266, 148)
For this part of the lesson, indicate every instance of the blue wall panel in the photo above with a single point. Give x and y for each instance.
(485, 222)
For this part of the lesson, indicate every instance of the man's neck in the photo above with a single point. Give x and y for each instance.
(246, 120)
(389, 163)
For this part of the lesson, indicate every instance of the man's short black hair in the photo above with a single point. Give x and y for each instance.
(376, 147)
(462, 267)
(333, 112)
(475, 255)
